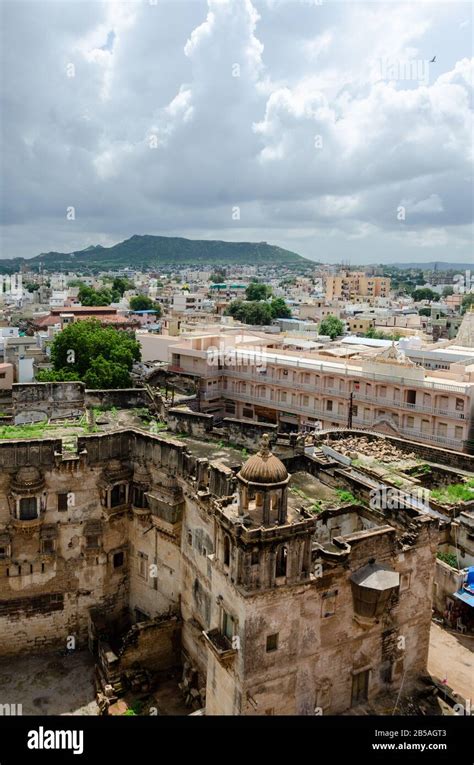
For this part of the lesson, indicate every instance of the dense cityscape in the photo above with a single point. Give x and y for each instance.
(236, 377)
(272, 427)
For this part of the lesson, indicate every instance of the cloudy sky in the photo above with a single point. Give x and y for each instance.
(318, 126)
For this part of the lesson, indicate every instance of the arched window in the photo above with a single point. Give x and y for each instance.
(281, 560)
(226, 551)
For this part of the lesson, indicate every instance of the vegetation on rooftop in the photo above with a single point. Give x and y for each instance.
(448, 558)
(378, 334)
(346, 496)
(454, 493)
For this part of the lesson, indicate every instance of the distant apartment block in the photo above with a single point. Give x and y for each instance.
(352, 285)
(185, 302)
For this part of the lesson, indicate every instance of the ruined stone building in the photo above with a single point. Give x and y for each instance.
(149, 554)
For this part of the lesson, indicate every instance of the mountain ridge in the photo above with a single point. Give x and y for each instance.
(149, 251)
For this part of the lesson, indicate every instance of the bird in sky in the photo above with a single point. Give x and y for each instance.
(433, 60)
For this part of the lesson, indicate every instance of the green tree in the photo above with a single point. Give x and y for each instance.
(424, 311)
(467, 302)
(257, 312)
(250, 312)
(448, 291)
(218, 276)
(120, 285)
(331, 326)
(100, 356)
(91, 297)
(144, 303)
(424, 293)
(257, 291)
(280, 309)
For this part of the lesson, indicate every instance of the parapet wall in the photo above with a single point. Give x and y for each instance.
(190, 423)
(121, 398)
(247, 433)
(36, 402)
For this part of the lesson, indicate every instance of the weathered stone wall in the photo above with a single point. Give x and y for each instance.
(122, 398)
(44, 598)
(32, 577)
(318, 655)
(447, 580)
(190, 423)
(34, 402)
(246, 433)
(155, 645)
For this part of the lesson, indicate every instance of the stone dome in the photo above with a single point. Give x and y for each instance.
(27, 479)
(263, 467)
(116, 471)
(141, 476)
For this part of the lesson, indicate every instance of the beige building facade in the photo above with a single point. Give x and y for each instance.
(385, 392)
(352, 285)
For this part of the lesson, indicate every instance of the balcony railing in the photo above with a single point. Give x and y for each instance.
(27, 526)
(336, 392)
(262, 377)
(258, 359)
(342, 417)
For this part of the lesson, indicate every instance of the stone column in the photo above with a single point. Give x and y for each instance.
(282, 513)
(266, 508)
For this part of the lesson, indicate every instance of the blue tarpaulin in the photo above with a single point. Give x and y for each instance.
(465, 596)
(466, 593)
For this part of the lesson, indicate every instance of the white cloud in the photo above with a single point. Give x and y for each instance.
(271, 106)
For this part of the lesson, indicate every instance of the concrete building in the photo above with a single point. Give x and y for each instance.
(186, 302)
(6, 376)
(352, 285)
(382, 390)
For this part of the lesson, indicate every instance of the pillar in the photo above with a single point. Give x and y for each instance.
(266, 508)
(282, 514)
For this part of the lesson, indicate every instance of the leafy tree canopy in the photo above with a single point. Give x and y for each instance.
(331, 326)
(120, 284)
(424, 293)
(102, 357)
(258, 311)
(250, 312)
(257, 291)
(280, 309)
(467, 301)
(144, 303)
(91, 297)
(378, 334)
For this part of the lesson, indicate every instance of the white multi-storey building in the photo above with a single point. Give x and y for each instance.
(385, 392)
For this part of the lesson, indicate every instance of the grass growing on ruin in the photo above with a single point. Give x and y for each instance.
(345, 496)
(456, 492)
(448, 558)
(316, 504)
(34, 430)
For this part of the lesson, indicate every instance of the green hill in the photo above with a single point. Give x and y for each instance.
(144, 252)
